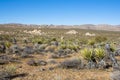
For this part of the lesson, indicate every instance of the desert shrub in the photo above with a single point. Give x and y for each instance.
(5, 37)
(68, 51)
(72, 63)
(69, 45)
(10, 69)
(72, 47)
(61, 54)
(53, 39)
(63, 46)
(112, 47)
(97, 39)
(10, 72)
(36, 40)
(91, 42)
(91, 54)
(87, 53)
(100, 53)
(83, 41)
(102, 44)
(8, 44)
(100, 39)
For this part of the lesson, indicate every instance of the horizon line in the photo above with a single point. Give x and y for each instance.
(59, 24)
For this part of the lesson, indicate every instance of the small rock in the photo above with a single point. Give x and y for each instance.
(42, 69)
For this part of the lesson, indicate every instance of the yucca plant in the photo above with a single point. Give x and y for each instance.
(99, 53)
(35, 40)
(63, 46)
(8, 44)
(53, 39)
(112, 47)
(87, 54)
(91, 42)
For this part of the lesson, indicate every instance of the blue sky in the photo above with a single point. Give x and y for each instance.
(70, 12)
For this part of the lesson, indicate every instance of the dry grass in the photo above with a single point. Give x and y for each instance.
(34, 72)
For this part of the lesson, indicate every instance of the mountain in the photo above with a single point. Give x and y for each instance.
(106, 27)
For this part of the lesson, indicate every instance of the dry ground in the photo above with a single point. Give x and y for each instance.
(35, 73)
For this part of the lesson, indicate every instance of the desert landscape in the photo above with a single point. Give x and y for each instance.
(59, 39)
(34, 52)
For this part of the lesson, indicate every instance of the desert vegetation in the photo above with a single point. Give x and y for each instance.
(33, 53)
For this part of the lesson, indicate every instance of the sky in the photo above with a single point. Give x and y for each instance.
(60, 12)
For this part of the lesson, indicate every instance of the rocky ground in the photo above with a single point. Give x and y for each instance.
(50, 71)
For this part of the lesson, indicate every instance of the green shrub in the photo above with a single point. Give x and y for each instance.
(100, 39)
(99, 53)
(53, 39)
(36, 40)
(91, 54)
(8, 44)
(63, 46)
(91, 42)
(10, 69)
(87, 54)
(112, 47)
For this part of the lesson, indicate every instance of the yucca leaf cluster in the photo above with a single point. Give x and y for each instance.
(90, 53)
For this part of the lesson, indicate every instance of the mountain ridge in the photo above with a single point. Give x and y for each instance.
(106, 27)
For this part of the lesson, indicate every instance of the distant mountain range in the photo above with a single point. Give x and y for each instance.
(84, 26)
